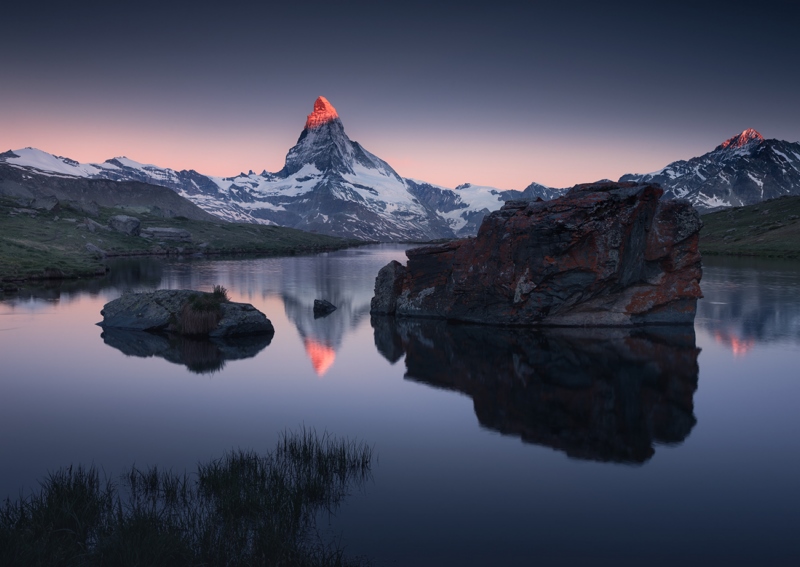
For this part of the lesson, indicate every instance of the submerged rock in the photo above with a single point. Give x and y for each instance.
(160, 310)
(605, 254)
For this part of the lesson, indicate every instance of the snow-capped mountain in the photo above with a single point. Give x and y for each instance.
(329, 184)
(743, 170)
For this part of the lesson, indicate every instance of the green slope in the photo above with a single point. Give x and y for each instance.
(52, 244)
(770, 229)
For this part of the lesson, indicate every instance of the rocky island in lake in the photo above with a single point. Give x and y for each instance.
(185, 312)
(604, 254)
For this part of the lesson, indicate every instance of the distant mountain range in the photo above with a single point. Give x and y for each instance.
(44, 189)
(744, 170)
(329, 184)
(332, 185)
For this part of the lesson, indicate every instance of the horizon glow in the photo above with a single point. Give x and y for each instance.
(501, 95)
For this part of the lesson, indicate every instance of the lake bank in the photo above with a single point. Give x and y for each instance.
(62, 243)
(56, 244)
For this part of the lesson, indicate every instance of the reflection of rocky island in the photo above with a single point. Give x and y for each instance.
(199, 355)
(750, 301)
(599, 394)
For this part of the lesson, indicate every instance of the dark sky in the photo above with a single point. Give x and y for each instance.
(504, 94)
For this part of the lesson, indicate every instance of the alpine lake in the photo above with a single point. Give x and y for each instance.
(491, 446)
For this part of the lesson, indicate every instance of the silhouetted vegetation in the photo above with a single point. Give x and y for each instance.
(242, 509)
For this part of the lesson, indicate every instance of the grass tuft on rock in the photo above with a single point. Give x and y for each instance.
(202, 313)
(242, 509)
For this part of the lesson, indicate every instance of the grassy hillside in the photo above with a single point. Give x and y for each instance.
(770, 229)
(53, 244)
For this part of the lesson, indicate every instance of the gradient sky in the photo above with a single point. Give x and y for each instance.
(503, 95)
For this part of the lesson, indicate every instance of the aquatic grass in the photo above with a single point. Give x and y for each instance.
(242, 509)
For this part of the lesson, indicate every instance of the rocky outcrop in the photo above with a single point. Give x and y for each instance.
(166, 233)
(606, 254)
(160, 310)
(604, 395)
(125, 224)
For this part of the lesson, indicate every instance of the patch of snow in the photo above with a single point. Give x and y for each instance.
(712, 201)
(780, 153)
(37, 159)
(757, 181)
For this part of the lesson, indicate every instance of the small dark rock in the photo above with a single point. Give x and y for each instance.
(48, 203)
(323, 308)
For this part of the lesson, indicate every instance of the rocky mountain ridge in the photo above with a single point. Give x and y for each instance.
(743, 170)
(332, 185)
(329, 184)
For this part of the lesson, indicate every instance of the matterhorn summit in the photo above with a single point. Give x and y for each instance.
(322, 114)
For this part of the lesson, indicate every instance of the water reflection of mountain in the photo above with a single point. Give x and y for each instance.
(601, 394)
(339, 278)
(199, 355)
(749, 301)
(322, 336)
(345, 278)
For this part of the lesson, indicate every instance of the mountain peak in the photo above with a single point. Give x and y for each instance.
(323, 113)
(742, 139)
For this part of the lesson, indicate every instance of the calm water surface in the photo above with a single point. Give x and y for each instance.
(494, 447)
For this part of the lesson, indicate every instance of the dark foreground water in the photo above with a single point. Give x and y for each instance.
(494, 447)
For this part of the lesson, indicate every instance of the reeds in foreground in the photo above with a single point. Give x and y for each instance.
(241, 509)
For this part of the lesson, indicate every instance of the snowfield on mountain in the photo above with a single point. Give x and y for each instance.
(743, 170)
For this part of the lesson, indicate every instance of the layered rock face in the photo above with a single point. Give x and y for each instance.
(604, 254)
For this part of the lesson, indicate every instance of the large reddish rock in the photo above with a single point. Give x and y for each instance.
(603, 254)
